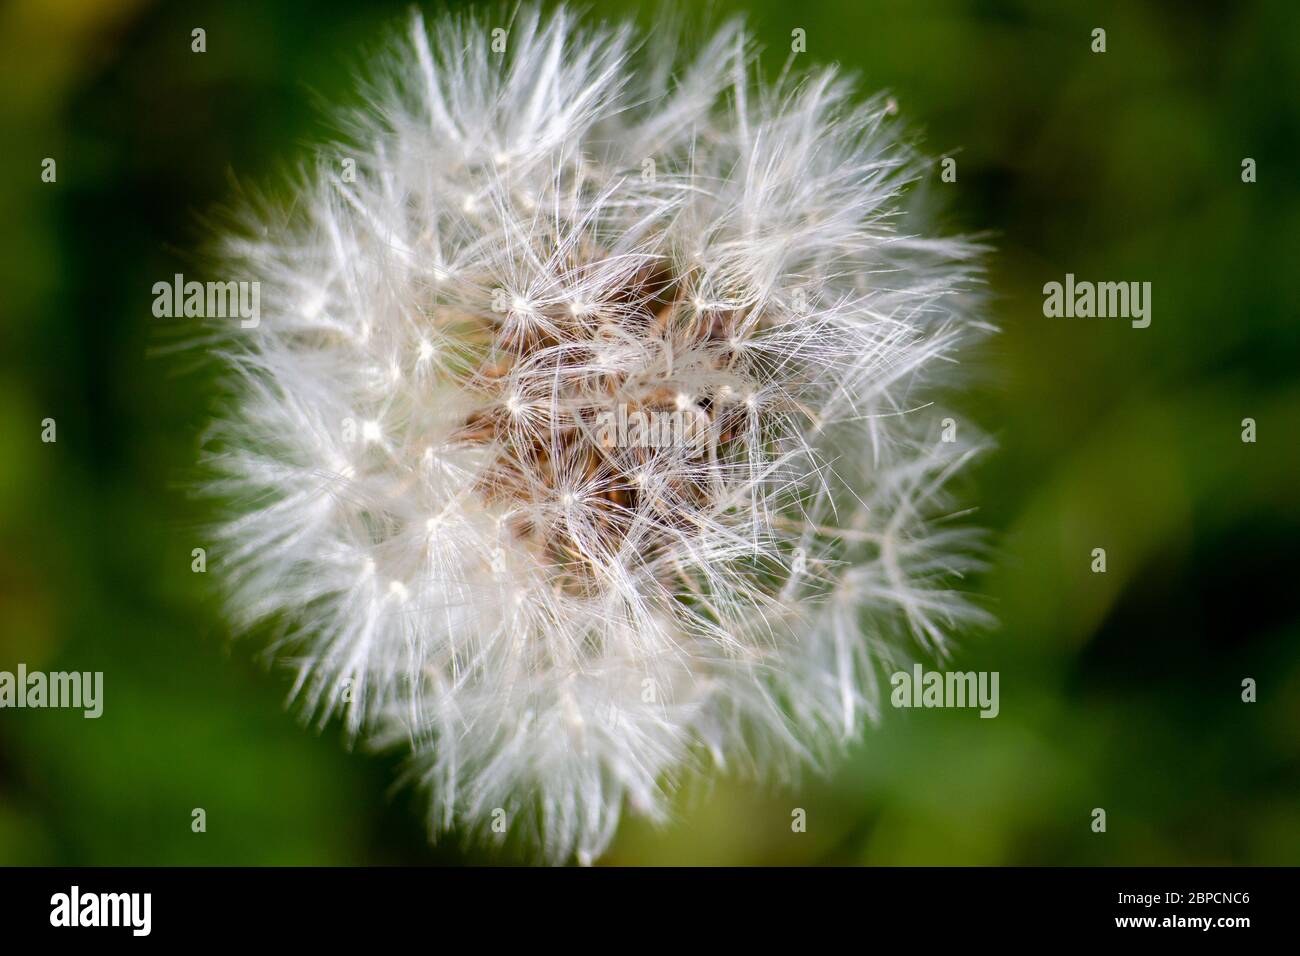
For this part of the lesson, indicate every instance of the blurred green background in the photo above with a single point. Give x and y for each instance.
(1120, 691)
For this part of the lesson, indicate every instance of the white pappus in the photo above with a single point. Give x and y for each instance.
(538, 228)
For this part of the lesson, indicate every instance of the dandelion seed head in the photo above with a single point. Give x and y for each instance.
(573, 621)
